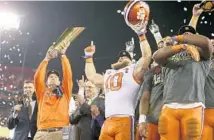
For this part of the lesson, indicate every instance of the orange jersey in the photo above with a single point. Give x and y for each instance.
(53, 111)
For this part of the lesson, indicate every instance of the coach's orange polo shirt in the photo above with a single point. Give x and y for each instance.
(53, 111)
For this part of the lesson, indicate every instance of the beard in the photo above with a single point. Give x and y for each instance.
(119, 65)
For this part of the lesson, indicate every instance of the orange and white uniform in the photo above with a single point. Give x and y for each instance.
(121, 95)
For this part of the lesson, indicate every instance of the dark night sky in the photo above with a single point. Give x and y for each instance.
(45, 21)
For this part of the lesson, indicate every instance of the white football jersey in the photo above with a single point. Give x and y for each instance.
(121, 91)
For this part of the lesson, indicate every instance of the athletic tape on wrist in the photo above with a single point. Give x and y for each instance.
(158, 37)
(142, 118)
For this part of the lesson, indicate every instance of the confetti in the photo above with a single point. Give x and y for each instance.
(119, 11)
(185, 9)
(212, 34)
(179, 0)
(202, 18)
(210, 14)
(205, 22)
(184, 20)
(171, 30)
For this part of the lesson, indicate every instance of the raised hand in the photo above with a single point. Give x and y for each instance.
(153, 27)
(142, 129)
(196, 11)
(81, 82)
(90, 50)
(51, 54)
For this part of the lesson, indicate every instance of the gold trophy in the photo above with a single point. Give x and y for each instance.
(207, 6)
(66, 38)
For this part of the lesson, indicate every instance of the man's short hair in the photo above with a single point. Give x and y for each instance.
(28, 82)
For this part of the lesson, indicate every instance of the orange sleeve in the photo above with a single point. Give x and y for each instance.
(39, 79)
(67, 83)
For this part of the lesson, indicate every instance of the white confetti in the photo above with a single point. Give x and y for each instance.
(11, 62)
(202, 18)
(201, 22)
(20, 61)
(14, 47)
(20, 54)
(10, 49)
(184, 20)
(28, 33)
(5, 56)
(18, 49)
(119, 11)
(179, 0)
(212, 34)
(11, 86)
(210, 14)
(9, 36)
(171, 30)
(205, 22)
(17, 45)
(185, 9)
(3, 42)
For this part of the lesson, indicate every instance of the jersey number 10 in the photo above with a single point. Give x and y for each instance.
(114, 82)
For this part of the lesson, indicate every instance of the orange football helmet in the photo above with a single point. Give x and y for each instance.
(136, 14)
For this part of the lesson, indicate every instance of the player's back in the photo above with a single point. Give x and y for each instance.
(121, 92)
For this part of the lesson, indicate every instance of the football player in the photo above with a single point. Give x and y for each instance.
(187, 65)
(121, 84)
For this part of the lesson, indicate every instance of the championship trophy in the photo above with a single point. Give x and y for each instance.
(66, 38)
(207, 6)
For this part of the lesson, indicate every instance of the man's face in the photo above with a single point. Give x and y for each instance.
(187, 33)
(28, 89)
(212, 40)
(121, 63)
(123, 58)
(90, 90)
(53, 80)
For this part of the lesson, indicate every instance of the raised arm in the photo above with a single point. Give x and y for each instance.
(203, 43)
(90, 70)
(67, 83)
(39, 78)
(154, 29)
(143, 63)
(196, 12)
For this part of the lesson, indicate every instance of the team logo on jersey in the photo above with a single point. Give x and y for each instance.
(157, 70)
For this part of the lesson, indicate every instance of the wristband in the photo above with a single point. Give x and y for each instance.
(142, 37)
(142, 118)
(89, 60)
(178, 48)
(178, 38)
